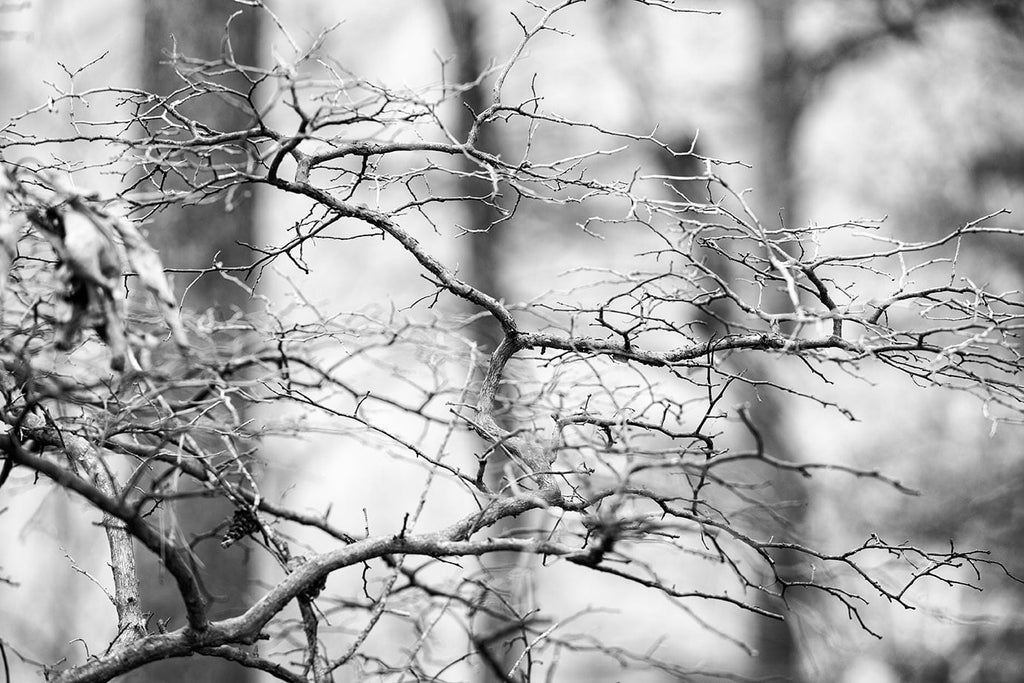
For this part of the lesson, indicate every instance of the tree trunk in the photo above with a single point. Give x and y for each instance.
(197, 237)
(779, 105)
(495, 631)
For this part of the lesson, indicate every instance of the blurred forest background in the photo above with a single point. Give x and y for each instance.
(902, 110)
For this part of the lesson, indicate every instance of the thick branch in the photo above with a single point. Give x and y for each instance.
(174, 557)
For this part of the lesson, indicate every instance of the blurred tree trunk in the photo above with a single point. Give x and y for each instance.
(485, 247)
(196, 236)
(494, 633)
(780, 103)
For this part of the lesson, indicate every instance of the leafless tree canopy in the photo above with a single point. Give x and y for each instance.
(631, 448)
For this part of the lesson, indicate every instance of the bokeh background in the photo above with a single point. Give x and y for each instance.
(907, 111)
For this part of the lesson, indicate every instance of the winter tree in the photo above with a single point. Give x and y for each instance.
(605, 438)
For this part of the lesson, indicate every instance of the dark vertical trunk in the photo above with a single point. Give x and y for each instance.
(779, 104)
(486, 247)
(196, 237)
